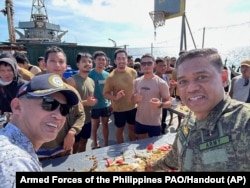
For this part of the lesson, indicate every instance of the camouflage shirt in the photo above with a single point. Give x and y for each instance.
(218, 143)
(16, 155)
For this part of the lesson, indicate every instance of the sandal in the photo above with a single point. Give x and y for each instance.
(96, 147)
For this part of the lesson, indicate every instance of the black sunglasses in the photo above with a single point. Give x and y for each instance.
(148, 63)
(246, 82)
(50, 104)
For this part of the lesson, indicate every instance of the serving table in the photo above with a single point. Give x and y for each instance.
(178, 108)
(95, 160)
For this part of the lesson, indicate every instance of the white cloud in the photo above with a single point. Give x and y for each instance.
(92, 22)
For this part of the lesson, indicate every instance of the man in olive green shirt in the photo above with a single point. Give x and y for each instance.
(56, 62)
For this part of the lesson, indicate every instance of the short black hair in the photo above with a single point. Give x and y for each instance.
(120, 51)
(53, 49)
(159, 60)
(40, 58)
(210, 53)
(81, 54)
(138, 59)
(21, 58)
(148, 55)
(99, 53)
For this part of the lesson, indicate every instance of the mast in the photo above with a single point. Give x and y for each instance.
(8, 10)
(38, 9)
(39, 29)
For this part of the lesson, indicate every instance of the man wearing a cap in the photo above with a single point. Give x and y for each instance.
(240, 86)
(10, 81)
(39, 113)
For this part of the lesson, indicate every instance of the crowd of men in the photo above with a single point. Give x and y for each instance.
(51, 116)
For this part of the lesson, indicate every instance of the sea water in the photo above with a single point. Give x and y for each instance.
(231, 56)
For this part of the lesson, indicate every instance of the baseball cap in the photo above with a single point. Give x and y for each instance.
(245, 62)
(46, 84)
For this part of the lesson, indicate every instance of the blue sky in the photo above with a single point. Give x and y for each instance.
(127, 22)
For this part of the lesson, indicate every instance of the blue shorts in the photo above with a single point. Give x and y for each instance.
(101, 112)
(85, 133)
(152, 130)
(121, 118)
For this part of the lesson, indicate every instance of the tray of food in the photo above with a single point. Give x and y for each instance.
(128, 156)
(137, 161)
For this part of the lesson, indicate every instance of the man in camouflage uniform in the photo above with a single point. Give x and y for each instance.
(216, 135)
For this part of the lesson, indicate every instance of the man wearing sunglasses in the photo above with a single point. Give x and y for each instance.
(39, 113)
(151, 94)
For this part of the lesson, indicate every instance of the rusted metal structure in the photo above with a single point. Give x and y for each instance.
(39, 34)
(39, 29)
(9, 12)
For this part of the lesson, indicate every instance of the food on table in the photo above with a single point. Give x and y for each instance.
(139, 160)
(129, 161)
(150, 147)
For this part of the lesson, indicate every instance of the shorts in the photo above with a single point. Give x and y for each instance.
(121, 118)
(85, 133)
(152, 130)
(101, 112)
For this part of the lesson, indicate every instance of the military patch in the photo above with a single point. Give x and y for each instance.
(185, 130)
(214, 143)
